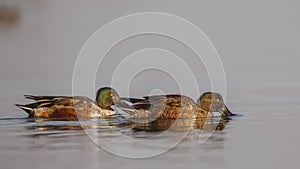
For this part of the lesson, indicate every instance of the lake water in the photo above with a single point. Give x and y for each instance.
(258, 42)
(264, 136)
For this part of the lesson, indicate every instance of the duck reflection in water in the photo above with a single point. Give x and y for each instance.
(49, 126)
(217, 123)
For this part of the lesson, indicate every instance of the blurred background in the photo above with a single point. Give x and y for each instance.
(258, 42)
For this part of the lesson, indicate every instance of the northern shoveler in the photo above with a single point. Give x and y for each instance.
(70, 108)
(176, 106)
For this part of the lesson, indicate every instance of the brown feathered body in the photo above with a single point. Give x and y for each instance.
(162, 107)
(63, 107)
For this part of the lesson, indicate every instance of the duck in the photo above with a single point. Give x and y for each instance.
(176, 107)
(72, 107)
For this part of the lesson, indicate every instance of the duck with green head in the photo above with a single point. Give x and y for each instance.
(176, 106)
(72, 108)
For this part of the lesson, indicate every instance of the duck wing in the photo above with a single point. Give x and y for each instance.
(163, 106)
(77, 102)
(46, 98)
(48, 101)
(156, 101)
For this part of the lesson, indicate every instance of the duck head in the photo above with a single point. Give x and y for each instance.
(213, 102)
(106, 97)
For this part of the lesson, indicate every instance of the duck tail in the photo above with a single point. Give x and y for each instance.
(27, 108)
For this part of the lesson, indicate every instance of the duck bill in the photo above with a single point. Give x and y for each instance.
(225, 111)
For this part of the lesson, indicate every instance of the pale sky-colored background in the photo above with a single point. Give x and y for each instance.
(252, 37)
